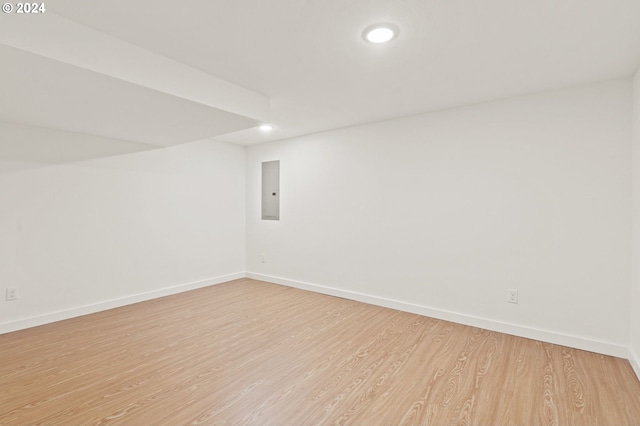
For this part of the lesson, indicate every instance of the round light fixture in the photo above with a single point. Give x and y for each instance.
(266, 127)
(380, 33)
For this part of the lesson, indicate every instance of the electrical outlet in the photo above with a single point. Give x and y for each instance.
(512, 296)
(12, 293)
(263, 259)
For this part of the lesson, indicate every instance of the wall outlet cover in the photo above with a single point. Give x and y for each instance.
(12, 293)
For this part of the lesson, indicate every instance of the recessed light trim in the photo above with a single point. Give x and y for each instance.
(380, 33)
(266, 127)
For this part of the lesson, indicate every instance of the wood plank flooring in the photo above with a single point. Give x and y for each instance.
(248, 352)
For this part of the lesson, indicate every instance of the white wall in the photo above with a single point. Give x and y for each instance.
(440, 213)
(635, 299)
(85, 236)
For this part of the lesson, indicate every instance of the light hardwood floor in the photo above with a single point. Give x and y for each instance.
(248, 352)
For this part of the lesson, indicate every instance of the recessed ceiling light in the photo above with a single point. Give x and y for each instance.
(266, 127)
(380, 33)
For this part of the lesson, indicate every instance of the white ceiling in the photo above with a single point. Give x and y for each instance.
(105, 95)
(72, 99)
(308, 57)
(28, 144)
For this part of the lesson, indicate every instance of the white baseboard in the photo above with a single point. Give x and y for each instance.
(634, 359)
(489, 324)
(577, 342)
(50, 317)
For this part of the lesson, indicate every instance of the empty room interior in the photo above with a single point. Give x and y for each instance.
(305, 212)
